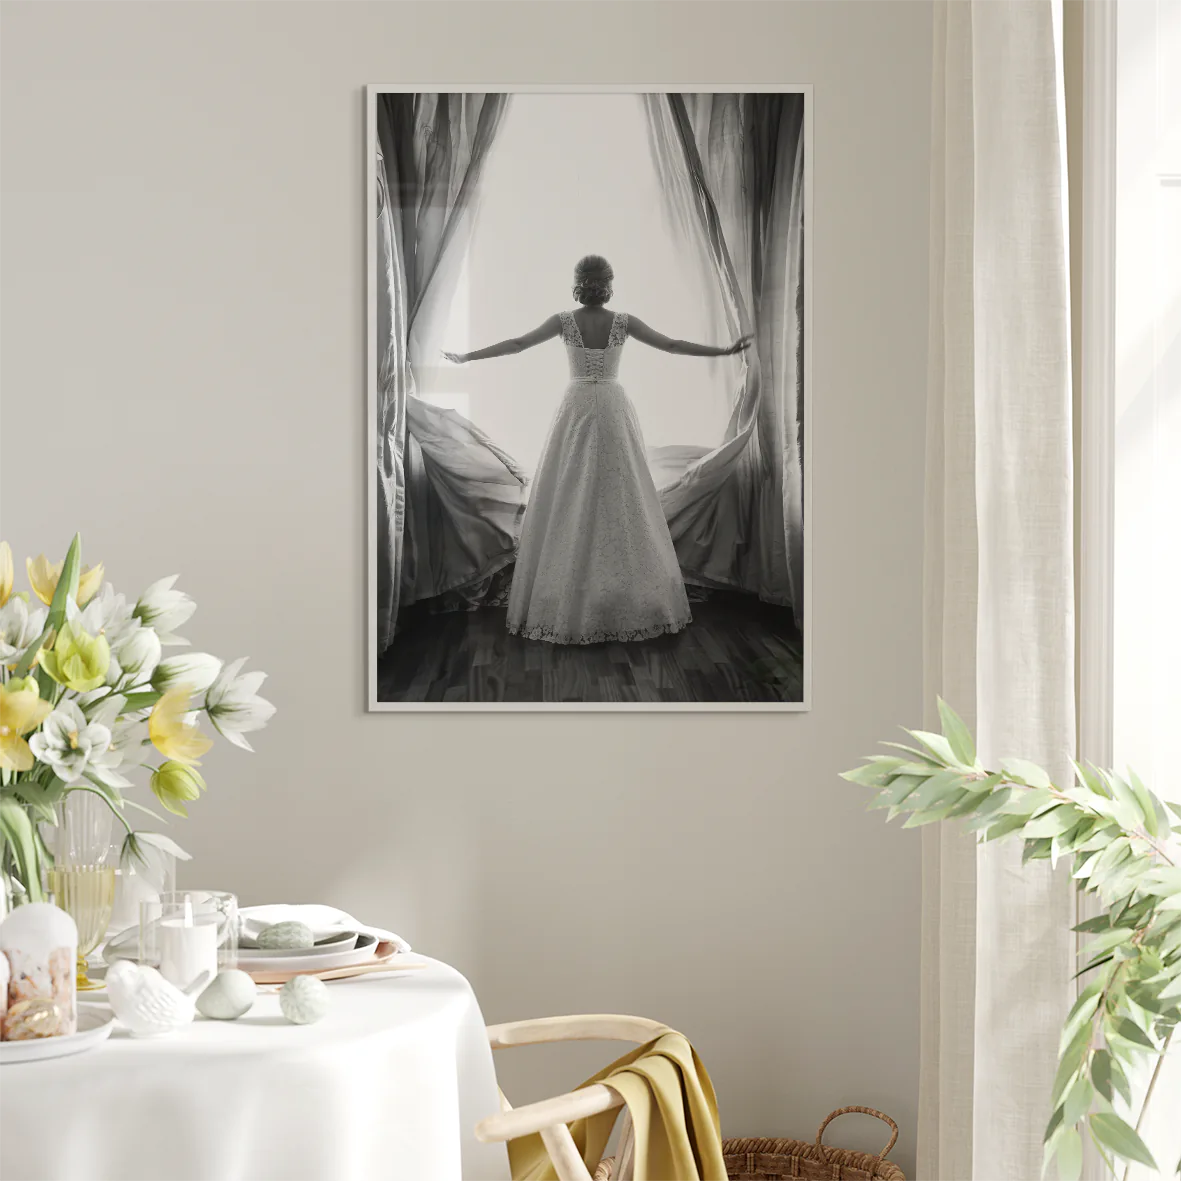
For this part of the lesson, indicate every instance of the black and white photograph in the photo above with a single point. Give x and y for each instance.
(588, 390)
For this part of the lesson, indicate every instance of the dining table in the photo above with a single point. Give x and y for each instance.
(388, 1086)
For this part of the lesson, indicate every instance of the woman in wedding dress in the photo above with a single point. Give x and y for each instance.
(595, 561)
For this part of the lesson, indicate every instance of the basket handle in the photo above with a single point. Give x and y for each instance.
(861, 1111)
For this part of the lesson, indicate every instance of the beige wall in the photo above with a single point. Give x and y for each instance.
(183, 381)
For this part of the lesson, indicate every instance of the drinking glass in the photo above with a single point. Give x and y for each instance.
(82, 878)
(185, 933)
(140, 881)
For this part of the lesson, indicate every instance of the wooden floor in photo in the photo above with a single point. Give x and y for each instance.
(736, 649)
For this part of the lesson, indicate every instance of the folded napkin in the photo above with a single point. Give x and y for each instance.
(324, 921)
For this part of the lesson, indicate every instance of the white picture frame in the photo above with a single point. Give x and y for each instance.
(374, 703)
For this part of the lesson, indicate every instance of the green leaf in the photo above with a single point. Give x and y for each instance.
(1089, 779)
(1004, 826)
(1149, 804)
(17, 829)
(1070, 1156)
(990, 807)
(929, 816)
(1119, 1080)
(936, 744)
(1081, 1012)
(1108, 940)
(1027, 801)
(1077, 1102)
(1101, 922)
(1053, 1126)
(1053, 822)
(1025, 772)
(138, 701)
(1127, 807)
(1115, 1134)
(1036, 850)
(958, 736)
(67, 584)
(867, 775)
(1101, 1066)
(1069, 1064)
(1126, 1028)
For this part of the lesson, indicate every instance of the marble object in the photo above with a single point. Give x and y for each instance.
(39, 942)
(229, 996)
(304, 1000)
(289, 936)
(146, 1003)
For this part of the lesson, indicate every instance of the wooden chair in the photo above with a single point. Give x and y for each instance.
(550, 1117)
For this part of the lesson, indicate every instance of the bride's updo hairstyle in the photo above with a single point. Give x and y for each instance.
(592, 280)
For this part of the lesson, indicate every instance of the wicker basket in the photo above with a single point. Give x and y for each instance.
(769, 1160)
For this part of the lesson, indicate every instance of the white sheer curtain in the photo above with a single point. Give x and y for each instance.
(997, 949)
(732, 171)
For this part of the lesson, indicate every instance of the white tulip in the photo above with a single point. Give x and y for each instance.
(234, 706)
(107, 614)
(67, 742)
(198, 670)
(164, 609)
(137, 654)
(19, 627)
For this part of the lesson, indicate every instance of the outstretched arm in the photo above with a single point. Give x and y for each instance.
(640, 331)
(517, 344)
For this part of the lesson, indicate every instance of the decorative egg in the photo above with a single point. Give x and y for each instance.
(229, 996)
(303, 999)
(290, 936)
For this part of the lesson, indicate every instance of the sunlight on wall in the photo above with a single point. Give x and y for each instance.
(571, 175)
(1146, 696)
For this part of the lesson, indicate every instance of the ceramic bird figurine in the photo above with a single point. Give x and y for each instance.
(146, 1003)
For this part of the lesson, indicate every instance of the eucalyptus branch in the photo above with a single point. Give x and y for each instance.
(1160, 1061)
(1117, 835)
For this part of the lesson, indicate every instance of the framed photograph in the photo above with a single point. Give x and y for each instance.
(589, 373)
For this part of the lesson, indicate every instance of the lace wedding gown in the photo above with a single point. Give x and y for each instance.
(596, 561)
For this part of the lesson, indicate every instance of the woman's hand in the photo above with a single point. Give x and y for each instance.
(456, 358)
(739, 346)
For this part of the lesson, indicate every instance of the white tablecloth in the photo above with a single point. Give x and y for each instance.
(387, 1087)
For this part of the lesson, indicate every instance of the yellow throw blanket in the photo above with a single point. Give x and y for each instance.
(673, 1109)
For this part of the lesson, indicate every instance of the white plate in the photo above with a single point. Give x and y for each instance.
(95, 1023)
(308, 959)
(345, 941)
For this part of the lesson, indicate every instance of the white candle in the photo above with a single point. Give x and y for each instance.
(187, 949)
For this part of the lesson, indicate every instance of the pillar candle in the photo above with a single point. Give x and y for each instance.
(187, 950)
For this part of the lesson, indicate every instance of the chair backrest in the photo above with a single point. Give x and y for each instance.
(550, 1117)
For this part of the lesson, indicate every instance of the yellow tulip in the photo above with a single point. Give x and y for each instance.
(171, 735)
(5, 572)
(77, 659)
(174, 782)
(21, 710)
(43, 576)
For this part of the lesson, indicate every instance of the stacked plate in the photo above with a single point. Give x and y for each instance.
(346, 950)
(334, 953)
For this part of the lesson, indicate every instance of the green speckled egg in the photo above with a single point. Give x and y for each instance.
(229, 996)
(286, 936)
(303, 999)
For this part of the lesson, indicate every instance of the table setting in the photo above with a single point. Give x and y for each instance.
(150, 1030)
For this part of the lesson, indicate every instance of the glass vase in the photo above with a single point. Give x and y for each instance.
(82, 878)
